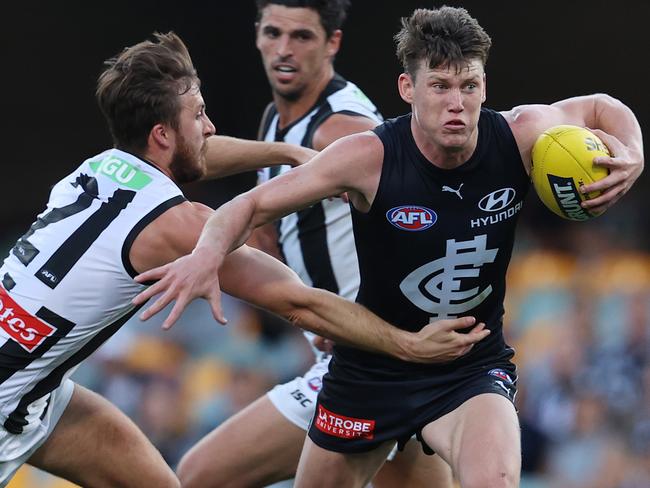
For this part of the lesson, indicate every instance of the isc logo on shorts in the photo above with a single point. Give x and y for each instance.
(22, 327)
(344, 427)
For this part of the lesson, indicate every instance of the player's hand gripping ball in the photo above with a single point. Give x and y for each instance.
(562, 163)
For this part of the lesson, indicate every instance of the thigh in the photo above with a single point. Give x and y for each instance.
(320, 468)
(412, 468)
(94, 444)
(256, 447)
(480, 440)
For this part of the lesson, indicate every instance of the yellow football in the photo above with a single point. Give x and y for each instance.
(562, 163)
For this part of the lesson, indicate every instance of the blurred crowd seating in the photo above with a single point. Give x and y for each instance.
(580, 324)
(579, 320)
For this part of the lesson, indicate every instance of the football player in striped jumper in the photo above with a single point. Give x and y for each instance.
(68, 283)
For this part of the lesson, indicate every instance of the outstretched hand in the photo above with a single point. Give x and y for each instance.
(440, 341)
(625, 165)
(183, 280)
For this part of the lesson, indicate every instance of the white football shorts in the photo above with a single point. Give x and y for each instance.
(15, 450)
(296, 400)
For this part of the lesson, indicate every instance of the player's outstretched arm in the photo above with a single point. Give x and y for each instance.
(607, 117)
(229, 155)
(259, 279)
(352, 164)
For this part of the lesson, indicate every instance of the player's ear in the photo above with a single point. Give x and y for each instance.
(484, 97)
(334, 42)
(405, 84)
(257, 35)
(161, 136)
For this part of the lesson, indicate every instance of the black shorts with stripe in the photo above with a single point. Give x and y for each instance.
(358, 411)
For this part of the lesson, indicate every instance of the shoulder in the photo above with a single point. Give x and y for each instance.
(366, 145)
(347, 110)
(184, 212)
(172, 234)
(339, 125)
(350, 98)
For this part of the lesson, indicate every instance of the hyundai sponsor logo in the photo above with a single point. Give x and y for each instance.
(495, 218)
(497, 200)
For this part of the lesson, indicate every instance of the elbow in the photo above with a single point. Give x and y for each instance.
(247, 204)
(604, 98)
(603, 101)
(243, 206)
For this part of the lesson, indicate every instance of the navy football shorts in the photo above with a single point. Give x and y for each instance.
(357, 411)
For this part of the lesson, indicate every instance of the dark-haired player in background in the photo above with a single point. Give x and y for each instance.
(312, 107)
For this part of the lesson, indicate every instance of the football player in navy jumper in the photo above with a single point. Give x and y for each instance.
(435, 197)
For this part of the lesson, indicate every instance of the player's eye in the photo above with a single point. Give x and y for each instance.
(271, 32)
(303, 35)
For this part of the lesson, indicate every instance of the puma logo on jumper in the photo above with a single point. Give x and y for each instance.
(457, 192)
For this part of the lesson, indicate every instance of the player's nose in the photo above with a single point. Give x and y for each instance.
(208, 127)
(283, 47)
(455, 101)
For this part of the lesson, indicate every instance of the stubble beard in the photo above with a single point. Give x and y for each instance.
(287, 94)
(188, 165)
(291, 96)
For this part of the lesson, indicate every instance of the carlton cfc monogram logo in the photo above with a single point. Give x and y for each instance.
(412, 218)
(439, 286)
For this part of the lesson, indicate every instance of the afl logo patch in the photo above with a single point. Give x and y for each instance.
(501, 374)
(411, 217)
(315, 383)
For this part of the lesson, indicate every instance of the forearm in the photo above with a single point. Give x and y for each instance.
(255, 277)
(228, 155)
(346, 322)
(227, 228)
